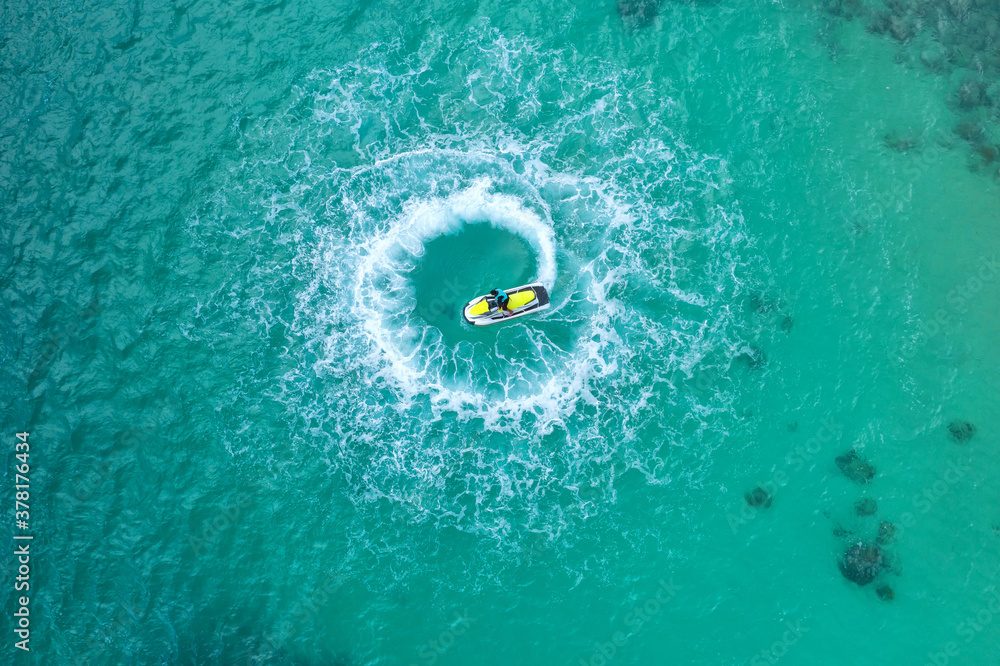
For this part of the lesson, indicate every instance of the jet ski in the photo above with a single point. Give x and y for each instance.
(527, 300)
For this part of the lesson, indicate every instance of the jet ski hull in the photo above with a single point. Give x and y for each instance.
(525, 300)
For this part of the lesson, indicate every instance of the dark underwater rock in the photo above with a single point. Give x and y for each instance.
(855, 468)
(846, 9)
(885, 593)
(960, 55)
(933, 59)
(900, 142)
(971, 94)
(754, 358)
(879, 22)
(758, 497)
(761, 303)
(641, 12)
(961, 431)
(861, 563)
(865, 506)
(902, 27)
(971, 131)
(886, 532)
(982, 158)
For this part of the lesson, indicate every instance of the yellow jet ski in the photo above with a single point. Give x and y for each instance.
(526, 300)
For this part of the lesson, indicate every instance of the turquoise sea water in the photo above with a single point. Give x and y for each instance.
(236, 243)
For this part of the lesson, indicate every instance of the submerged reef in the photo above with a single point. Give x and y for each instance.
(855, 468)
(758, 497)
(958, 40)
(901, 142)
(983, 158)
(638, 12)
(961, 431)
(865, 506)
(753, 357)
(762, 303)
(970, 130)
(770, 307)
(861, 563)
(886, 533)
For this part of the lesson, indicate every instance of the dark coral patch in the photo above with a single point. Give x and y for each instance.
(638, 12)
(861, 563)
(971, 131)
(754, 358)
(886, 532)
(900, 142)
(971, 93)
(758, 498)
(855, 468)
(961, 431)
(865, 506)
(761, 302)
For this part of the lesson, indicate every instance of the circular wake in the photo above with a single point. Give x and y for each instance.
(512, 429)
(411, 352)
(533, 367)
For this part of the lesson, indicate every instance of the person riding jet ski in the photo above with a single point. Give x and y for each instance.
(503, 300)
(500, 305)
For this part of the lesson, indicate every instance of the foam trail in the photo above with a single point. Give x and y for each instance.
(425, 220)
(640, 249)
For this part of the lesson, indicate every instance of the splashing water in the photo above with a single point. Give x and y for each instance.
(637, 238)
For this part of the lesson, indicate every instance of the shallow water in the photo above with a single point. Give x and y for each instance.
(238, 243)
